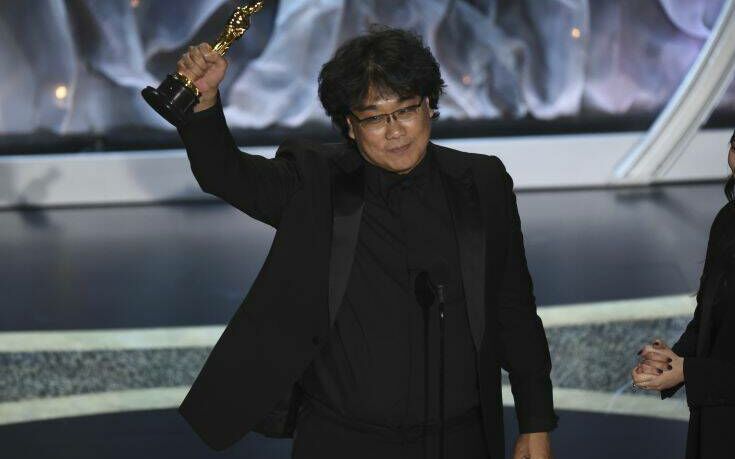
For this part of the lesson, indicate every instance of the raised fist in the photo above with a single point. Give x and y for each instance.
(206, 69)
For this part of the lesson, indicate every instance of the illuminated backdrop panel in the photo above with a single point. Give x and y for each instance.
(77, 66)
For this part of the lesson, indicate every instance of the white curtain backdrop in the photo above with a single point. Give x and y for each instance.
(500, 58)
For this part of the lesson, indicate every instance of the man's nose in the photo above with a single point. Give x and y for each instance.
(393, 128)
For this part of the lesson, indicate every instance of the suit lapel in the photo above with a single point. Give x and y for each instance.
(464, 204)
(348, 189)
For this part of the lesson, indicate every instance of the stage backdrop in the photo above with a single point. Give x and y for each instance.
(77, 66)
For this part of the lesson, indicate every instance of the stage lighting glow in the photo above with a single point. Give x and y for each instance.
(576, 33)
(61, 92)
(134, 3)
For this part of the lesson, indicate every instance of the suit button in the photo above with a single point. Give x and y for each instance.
(315, 340)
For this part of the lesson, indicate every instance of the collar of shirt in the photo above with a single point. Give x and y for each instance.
(384, 183)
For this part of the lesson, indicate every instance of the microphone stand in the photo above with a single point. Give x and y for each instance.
(426, 294)
(442, 419)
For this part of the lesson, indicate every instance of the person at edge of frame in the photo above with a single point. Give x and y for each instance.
(331, 344)
(702, 358)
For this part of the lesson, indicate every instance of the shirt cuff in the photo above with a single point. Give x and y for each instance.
(213, 111)
(202, 122)
(538, 424)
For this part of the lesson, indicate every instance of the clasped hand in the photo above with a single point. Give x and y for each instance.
(658, 368)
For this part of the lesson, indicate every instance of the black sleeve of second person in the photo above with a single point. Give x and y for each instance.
(686, 346)
(258, 186)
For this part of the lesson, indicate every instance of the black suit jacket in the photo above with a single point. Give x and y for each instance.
(286, 315)
(709, 365)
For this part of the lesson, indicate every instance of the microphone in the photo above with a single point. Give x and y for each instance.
(438, 275)
(431, 283)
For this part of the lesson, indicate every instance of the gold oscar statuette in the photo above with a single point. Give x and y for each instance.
(176, 96)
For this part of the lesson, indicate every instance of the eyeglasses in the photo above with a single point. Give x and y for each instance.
(378, 122)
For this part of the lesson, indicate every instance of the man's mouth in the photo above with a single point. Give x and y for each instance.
(401, 149)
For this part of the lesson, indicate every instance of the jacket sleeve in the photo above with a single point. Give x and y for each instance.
(686, 346)
(524, 348)
(709, 381)
(258, 186)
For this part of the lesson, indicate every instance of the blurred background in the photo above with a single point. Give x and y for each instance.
(117, 273)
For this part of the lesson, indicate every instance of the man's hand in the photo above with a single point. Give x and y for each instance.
(659, 367)
(535, 445)
(206, 69)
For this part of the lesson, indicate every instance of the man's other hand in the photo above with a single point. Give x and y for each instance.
(535, 445)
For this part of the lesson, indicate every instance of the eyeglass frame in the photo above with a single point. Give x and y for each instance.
(386, 117)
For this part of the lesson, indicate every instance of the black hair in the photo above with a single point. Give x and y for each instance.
(730, 184)
(392, 61)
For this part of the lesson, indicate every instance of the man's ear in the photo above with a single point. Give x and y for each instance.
(350, 129)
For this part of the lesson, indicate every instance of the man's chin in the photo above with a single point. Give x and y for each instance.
(400, 165)
(404, 169)
(405, 163)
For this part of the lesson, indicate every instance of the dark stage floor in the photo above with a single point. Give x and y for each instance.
(164, 434)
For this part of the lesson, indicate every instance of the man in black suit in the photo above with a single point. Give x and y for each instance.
(396, 264)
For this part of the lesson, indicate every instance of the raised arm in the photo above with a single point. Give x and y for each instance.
(258, 186)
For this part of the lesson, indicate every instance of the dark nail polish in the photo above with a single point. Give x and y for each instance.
(670, 367)
(669, 360)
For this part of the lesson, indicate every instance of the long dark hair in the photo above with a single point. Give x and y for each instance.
(730, 184)
(721, 245)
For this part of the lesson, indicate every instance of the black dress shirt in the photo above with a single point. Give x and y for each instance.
(380, 364)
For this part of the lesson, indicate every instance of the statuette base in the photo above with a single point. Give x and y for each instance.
(173, 100)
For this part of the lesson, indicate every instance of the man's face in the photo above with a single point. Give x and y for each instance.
(398, 144)
(731, 158)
